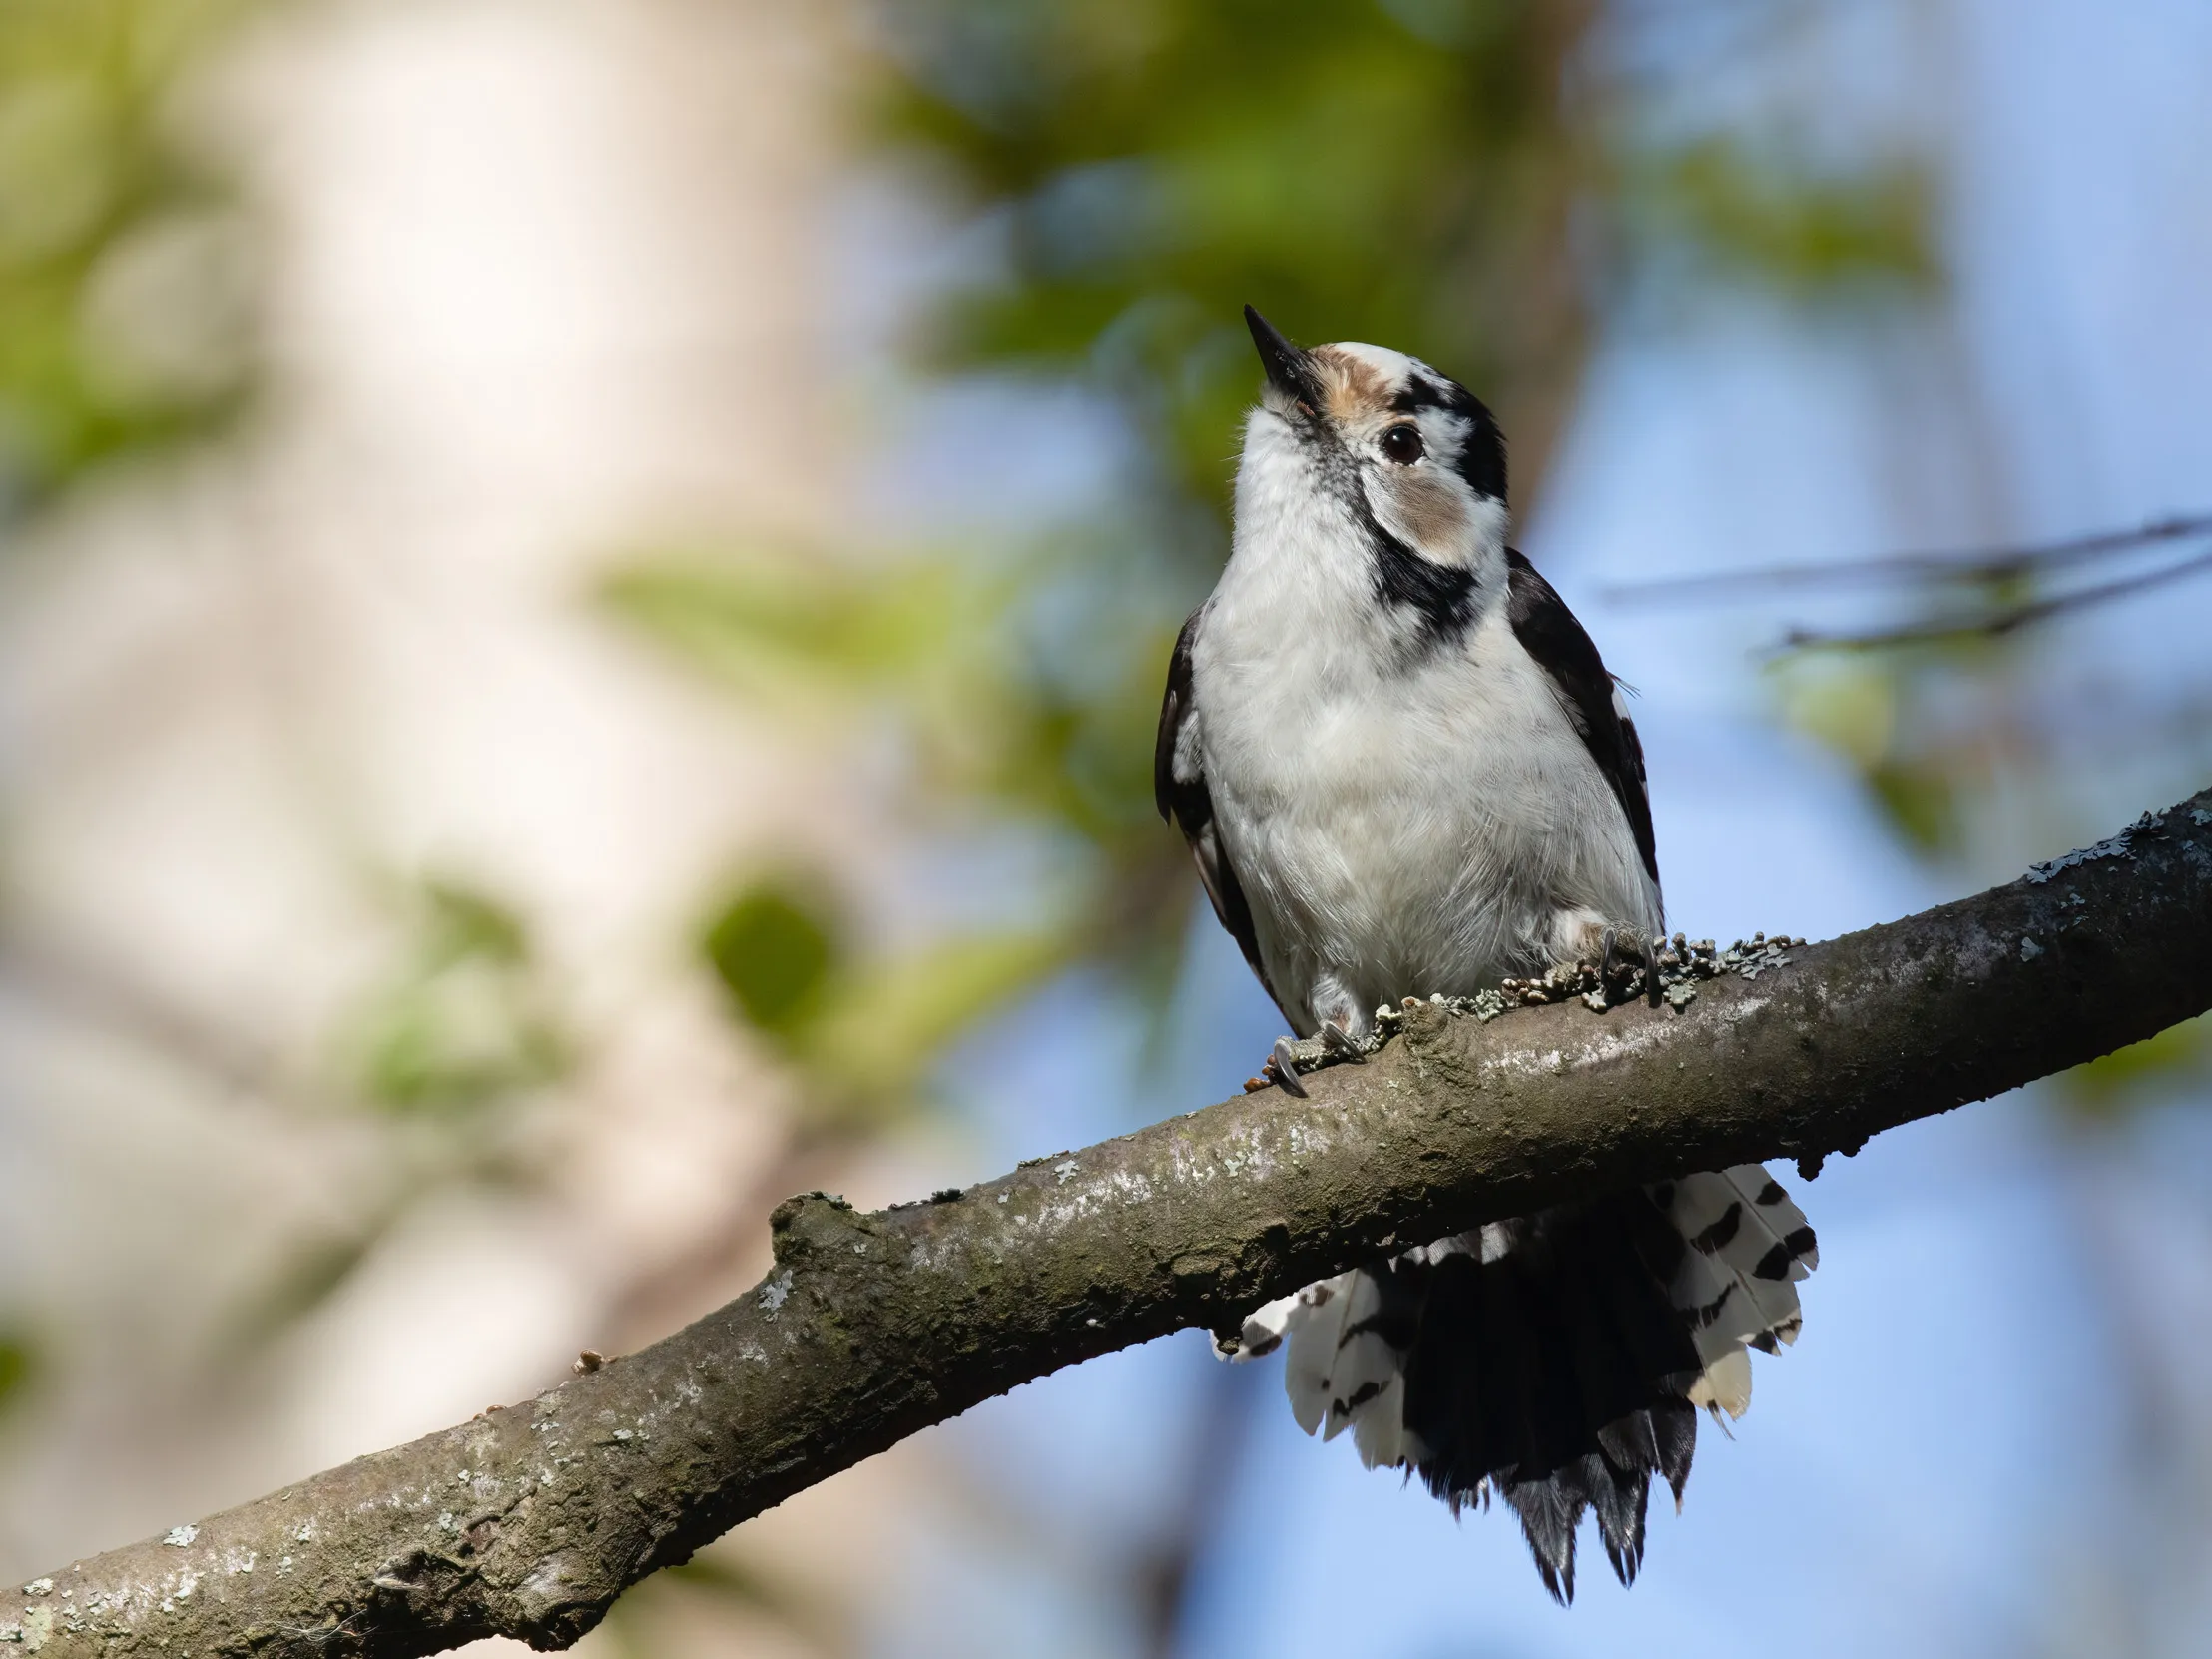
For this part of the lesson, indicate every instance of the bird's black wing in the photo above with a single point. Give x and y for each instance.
(1549, 633)
(1179, 789)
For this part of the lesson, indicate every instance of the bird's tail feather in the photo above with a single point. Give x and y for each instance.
(1555, 1361)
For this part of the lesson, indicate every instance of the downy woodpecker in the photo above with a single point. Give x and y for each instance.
(1402, 769)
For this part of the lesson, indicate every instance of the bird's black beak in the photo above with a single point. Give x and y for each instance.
(1289, 370)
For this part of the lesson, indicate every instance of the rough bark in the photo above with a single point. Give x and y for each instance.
(530, 1520)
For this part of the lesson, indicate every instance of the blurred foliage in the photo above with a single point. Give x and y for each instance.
(1927, 729)
(1013, 685)
(1726, 209)
(121, 264)
(1435, 175)
(444, 1053)
(805, 633)
(463, 1025)
(2180, 1055)
(1356, 172)
(940, 648)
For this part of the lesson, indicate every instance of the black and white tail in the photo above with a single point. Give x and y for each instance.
(1558, 1361)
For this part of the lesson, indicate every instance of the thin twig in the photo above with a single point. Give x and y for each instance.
(1967, 565)
(1999, 623)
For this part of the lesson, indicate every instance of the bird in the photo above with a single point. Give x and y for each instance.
(1403, 771)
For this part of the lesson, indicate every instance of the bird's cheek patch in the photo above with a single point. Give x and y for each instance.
(1433, 515)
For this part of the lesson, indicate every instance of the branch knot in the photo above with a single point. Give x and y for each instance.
(818, 1221)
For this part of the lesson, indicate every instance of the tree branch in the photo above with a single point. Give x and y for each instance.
(529, 1521)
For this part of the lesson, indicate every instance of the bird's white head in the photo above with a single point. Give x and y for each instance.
(1373, 463)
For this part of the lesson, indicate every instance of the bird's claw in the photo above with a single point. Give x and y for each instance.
(1645, 959)
(1331, 1042)
(1340, 1043)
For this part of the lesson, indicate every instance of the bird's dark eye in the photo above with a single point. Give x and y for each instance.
(1403, 444)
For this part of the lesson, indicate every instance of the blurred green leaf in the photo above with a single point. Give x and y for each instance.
(863, 1031)
(461, 1025)
(1922, 798)
(462, 924)
(1849, 704)
(1923, 727)
(774, 947)
(891, 1020)
(723, 1576)
(2177, 1058)
(1031, 688)
(124, 269)
(18, 1366)
(790, 623)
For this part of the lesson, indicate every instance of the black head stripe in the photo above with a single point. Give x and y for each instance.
(1481, 458)
(1424, 391)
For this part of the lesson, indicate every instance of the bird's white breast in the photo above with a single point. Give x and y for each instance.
(1398, 828)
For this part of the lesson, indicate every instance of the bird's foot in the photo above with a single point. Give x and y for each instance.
(1624, 959)
(1288, 1058)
